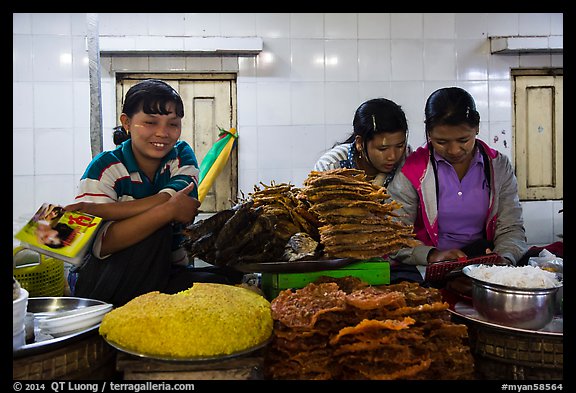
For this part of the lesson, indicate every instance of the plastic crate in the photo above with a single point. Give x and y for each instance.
(374, 271)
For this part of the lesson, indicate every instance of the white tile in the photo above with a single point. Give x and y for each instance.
(80, 61)
(48, 147)
(410, 96)
(534, 24)
(341, 60)
(247, 104)
(557, 24)
(247, 69)
(52, 58)
(273, 63)
(557, 210)
(303, 25)
(439, 60)
(238, 24)
(53, 23)
(307, 60)
(374, 25)
(82, 109)
(499, 67)
(340, 25)
(374, 60)
(22, 146)
(79, 25)
(197, 63)
(439, 25)
(299, 175)
(307, 103)
(167, 63)
(473, 25)
(368, 90)
(273, 100)
(336, 134)
(46, 191)
(478, 91)
(341, 102)
(538, 222)
(273, 25)
(407, 26)
(500, 100)
(306, 142)
(247, 148)
(22, 58)
(130, 64)
(502, 24)
(407, 60)
(535, 60)
(230, 64)
(472, 59)
(557, 60)
(23, 199)
(275, 147)
(52, 101)
(276, 175)
(21, 23)
(202, 24)
(166, 24)
(82, 150)
(500, 136)
(22, 110)
(247, 178)
(119, 24)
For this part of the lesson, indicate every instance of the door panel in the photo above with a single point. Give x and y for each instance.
(539, 136)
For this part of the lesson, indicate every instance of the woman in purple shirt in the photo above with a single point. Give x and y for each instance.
(460, 194)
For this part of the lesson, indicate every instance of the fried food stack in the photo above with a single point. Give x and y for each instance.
(343, 329)
(357, 220)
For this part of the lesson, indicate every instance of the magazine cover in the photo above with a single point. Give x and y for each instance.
(58, 233)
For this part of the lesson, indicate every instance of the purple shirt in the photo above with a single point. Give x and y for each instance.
(462, 205)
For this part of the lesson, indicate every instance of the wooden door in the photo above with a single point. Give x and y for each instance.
(209, 104)
(539, 131)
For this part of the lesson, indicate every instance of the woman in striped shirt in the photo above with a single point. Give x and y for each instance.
(146, 191)
(378, 145)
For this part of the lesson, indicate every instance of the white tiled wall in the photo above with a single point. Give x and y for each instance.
(296, 99)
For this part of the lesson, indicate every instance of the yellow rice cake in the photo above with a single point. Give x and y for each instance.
(207, 320)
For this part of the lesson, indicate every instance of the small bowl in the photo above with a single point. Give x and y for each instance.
(523, 308)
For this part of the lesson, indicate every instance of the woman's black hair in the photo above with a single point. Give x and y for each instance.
(151, 96)
(451, 106)
(375, 116)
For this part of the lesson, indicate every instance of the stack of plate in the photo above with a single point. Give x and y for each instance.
(67, 322)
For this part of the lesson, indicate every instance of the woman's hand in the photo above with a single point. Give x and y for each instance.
(183, 207)
(436, 255)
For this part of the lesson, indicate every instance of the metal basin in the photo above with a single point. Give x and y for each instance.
(524, 308)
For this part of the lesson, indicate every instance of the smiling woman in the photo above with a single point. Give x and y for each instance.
(146, 191)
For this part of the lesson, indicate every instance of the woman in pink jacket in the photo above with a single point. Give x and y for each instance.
(460, 194)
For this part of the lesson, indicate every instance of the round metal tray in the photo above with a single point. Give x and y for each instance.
(43, 306)
(466, 311)
(194, 359)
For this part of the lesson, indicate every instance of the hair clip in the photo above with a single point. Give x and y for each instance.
(467, 111)
(374, 122)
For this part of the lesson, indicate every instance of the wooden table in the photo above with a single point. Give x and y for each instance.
(246, 367)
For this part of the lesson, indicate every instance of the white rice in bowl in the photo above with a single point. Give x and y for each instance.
(515, 276)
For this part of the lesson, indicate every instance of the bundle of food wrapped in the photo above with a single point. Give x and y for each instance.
(357, 216)
(207, 320)
(343, 329)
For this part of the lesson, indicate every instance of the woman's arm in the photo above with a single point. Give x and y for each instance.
(115, 211)
(124, 233)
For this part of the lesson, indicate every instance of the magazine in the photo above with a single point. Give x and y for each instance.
(64, 235)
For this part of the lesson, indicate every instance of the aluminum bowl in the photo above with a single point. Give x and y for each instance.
(523, 308)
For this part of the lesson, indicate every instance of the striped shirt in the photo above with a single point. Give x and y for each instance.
(114, 176)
